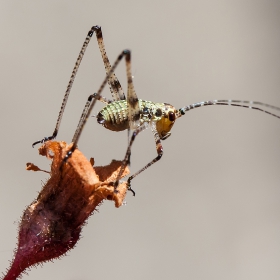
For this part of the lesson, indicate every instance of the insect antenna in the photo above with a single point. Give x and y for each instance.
(237, 103)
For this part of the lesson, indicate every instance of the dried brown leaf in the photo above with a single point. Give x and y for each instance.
(52, 224)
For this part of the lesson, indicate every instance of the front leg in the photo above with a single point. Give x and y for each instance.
(159, 156)
(126, 160)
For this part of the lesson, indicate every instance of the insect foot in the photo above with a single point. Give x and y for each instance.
(129, 185)
(51, 225)
(45, 139)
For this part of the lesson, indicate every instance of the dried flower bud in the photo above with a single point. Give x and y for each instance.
(52, 224)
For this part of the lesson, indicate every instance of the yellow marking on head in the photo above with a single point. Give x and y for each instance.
(167, 120)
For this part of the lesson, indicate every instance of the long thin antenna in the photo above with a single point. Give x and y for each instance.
(241, 103)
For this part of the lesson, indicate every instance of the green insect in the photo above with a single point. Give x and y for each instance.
(132, 113)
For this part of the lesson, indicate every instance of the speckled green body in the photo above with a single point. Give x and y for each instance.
(114, 116)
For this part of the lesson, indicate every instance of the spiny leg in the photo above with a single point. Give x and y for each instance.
(68, 89)
(159, 156)
(126, 160)
(133, 115)
(114, 84)
(133, 110)
(90, 103)
(113, 81)
(132, 99)
(132, 105)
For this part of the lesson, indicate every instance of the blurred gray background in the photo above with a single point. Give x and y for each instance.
(210, 208)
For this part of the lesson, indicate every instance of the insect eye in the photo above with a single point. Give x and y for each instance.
(145, 111)
(171, 116)
(158, 113)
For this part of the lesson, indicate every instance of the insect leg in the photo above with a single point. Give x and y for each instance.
(102, 99)
(133, 109)
(68, 89)
(114, 84)
(90, 103)
(132, 99)
(126, 160)
(113, 81)
(159, 152)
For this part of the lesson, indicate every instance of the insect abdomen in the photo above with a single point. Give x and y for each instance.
(114, 116)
